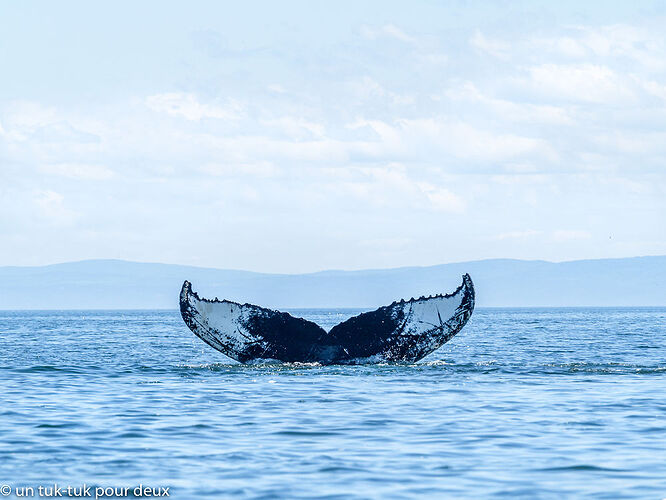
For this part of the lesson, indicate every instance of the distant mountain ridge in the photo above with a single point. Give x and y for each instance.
(118, 284)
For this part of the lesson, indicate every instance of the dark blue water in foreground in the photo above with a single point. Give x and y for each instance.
(532, 403)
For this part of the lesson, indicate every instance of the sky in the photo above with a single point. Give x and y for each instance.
(300, 136)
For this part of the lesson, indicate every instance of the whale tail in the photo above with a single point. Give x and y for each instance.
(406, 330)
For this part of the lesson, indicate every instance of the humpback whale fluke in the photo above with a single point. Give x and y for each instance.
(406, 330)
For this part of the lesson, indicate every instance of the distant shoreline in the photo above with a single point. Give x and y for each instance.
(125, 285)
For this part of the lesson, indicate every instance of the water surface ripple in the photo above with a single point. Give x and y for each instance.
(523, 403)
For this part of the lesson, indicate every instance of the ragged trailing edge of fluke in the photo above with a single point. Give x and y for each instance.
(406, 330)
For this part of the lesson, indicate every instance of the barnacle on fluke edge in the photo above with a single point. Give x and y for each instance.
(406, 330)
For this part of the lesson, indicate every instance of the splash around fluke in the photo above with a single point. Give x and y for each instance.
(404, 331)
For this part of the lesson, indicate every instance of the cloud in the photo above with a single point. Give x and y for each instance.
(78, 171)
(579, 82)
(367, 88)
(295, 127)
(28, 115)
(60, 132)
(51, 207)
(442, 199)
(428, 138)
(387, 30)
(392, 185)
(519, 235)
(257, 169)
(558, 236)
(617, 42)
(494, 47)
(37, 123)
(655, 88)
(189, 107)
(568, 235)
(502, 135)
(277, 88)
(515, 111)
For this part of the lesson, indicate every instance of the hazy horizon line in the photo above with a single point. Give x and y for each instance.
(415, 266)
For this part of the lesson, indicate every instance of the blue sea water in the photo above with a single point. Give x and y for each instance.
(523, 403)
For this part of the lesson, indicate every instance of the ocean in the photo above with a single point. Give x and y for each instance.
(522, 403)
